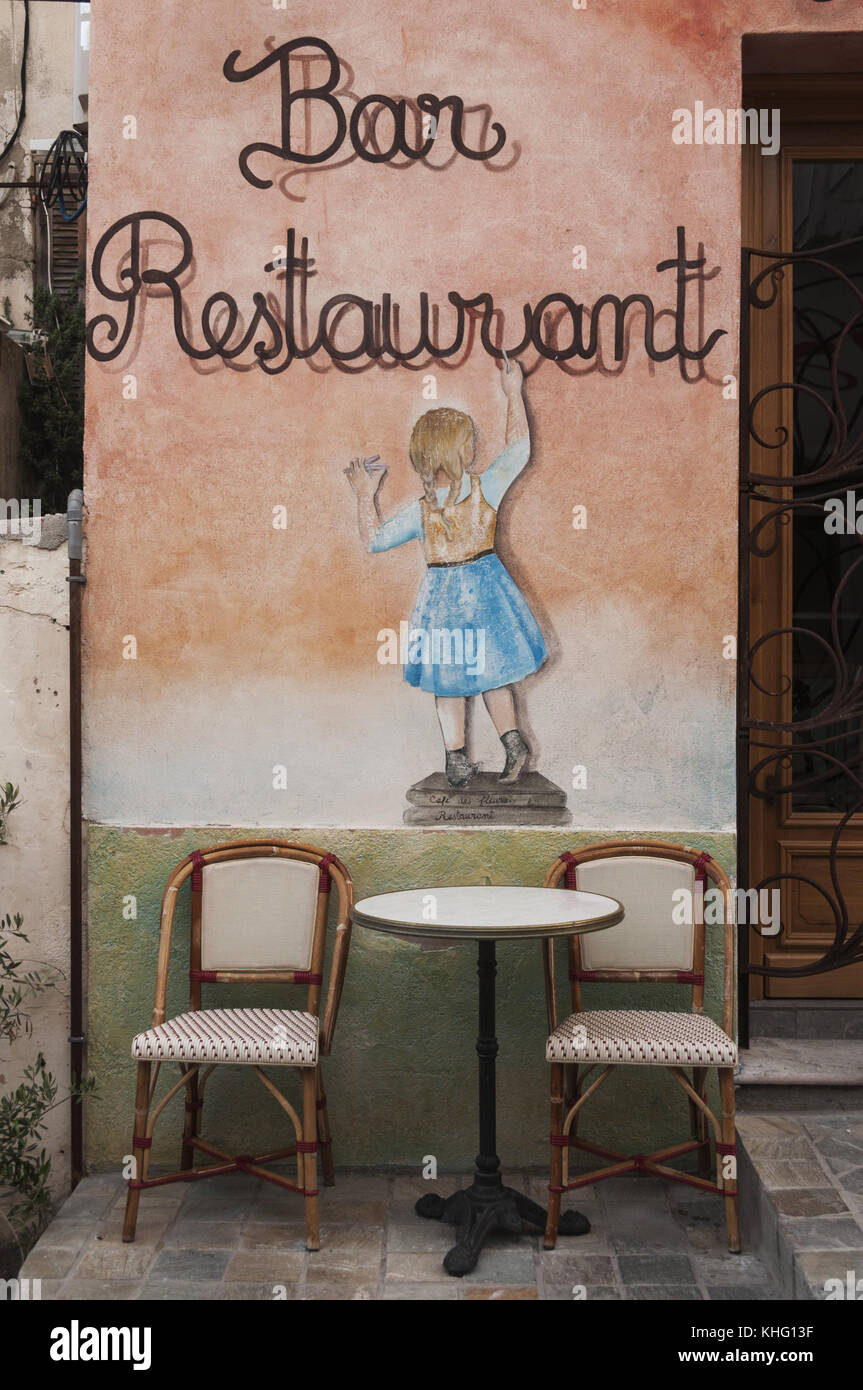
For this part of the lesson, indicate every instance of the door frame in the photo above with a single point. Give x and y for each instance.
(820, 117)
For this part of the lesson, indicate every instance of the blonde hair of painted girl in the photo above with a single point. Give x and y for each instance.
(442, 439)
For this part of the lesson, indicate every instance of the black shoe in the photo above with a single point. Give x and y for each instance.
(459, 772)
(517, 753)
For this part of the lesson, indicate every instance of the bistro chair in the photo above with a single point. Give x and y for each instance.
(258, 914)
(648, 945)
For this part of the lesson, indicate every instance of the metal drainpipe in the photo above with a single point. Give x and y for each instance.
(76, 582)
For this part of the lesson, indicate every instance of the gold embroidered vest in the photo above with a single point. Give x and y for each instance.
(471, 529)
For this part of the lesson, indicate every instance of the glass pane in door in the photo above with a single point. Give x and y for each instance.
(827, 648)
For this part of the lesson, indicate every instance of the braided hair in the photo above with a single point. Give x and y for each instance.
(437, 442)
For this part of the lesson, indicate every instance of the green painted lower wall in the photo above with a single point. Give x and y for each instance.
(401, 1081)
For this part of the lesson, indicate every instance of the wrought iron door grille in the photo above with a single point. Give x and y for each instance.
(809, 427)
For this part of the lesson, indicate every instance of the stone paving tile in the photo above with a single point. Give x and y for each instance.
(336, 1211)
(796, 1201)
(504, 1293)
(342, 1267)
(49, 1289)
(190, 1264)
(236, 1239)
(657, 1268)
(248, 1293)
(768, 1126)
(366, 1239)
(596, 1241)
(52, 1263)
(98, 1290)
(363, 1187)
(795, 1147)
(821, 1233)
(402, 1290)
(105, 1181)
(66, 1235)
(663, 1293)
(407, 1189)
(217, 1209)
(703, 1225)
(203, 1235)
(331, 1293)
(180, 1290)
(418, 1236)
(816, 1267)
(597, 1293)
(564, 1268)
(734, 1270)
(513, 1265)
(83, 1205)
(233, 1186)
(150, 1228)
(852, 1182)
(839, 1152)
(780, 1172)
(636, 1229)
(273, 1235)
(166, 1201)
(262, 1266)
(744, 1293)
(108, 1260)
(418, 1267)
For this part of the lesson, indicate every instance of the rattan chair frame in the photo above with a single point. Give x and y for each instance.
(567, 1079)
(311, 1130)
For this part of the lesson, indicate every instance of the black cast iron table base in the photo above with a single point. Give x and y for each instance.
(487, 1205)
(478, 1210)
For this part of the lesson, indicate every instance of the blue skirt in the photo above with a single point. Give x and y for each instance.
(471, 630)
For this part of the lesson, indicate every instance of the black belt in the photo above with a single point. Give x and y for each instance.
(450, 564)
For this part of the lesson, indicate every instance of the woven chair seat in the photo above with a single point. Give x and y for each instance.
(262, 1037)
(641, 1037)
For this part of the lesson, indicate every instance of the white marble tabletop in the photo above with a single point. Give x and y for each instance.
(487, 913)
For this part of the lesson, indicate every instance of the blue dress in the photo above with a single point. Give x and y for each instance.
(471, 629)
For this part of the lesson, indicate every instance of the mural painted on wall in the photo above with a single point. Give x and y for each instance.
(287, 305)
(471, 632)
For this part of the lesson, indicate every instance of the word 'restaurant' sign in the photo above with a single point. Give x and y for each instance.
(282, 326)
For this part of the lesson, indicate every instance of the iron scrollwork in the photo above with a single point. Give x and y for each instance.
(814, 758)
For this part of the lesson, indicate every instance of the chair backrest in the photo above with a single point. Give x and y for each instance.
(662, 935)
(259, 913)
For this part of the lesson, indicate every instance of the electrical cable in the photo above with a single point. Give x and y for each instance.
(65, 168)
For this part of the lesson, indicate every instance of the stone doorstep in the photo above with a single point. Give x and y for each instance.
(806, 1018)
(801, 1062)
(801, 1221)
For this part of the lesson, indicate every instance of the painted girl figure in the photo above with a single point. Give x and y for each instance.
(468, 604)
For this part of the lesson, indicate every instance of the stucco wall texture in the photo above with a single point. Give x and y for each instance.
(49, 108)
(34, 755)
(258, 647)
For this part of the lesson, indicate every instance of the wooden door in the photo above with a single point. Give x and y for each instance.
(802, 584)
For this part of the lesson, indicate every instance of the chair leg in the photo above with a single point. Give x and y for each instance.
(556, 1166)
(142, 1109)
(325, 1139)
(699, 1122)
(310, 1160)
(571, 1093)
(726, 1090)
(192, 1124)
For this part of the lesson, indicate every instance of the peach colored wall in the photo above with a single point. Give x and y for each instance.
(257, 646)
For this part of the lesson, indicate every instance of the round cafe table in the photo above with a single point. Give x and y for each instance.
(487, 915)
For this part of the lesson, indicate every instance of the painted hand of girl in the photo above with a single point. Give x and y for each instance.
(364, 482)
(511, 377)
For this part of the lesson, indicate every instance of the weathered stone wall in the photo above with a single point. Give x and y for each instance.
(34, 754)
